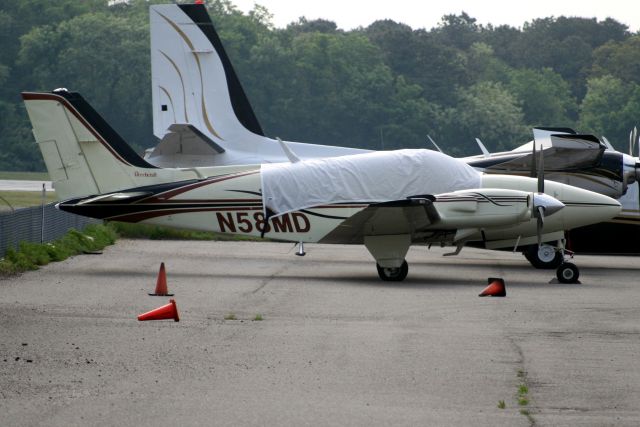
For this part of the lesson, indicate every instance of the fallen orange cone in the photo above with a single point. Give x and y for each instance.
(496, 288)
(161, 284)
(169, 311)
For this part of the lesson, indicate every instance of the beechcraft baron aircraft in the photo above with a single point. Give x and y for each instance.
(203, 118)
(384, 200)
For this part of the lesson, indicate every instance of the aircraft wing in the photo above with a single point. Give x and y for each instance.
(397, 217)
(185, 139)
(453, 217)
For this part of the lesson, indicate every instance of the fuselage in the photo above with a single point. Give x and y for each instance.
(231, 202)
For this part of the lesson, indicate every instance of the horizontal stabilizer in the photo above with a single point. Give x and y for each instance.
(185, 139)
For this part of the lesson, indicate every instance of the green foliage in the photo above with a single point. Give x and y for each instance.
(489, 111)
(384, 86)
(31, 255)
(20, 260)
(618, 59)
(545, 97)
(611, 107)
(35, 252)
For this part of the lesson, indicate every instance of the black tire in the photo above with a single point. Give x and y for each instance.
(567, 273)
(393, 274)
(532, 255)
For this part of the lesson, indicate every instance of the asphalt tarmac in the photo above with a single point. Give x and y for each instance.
(335, 346)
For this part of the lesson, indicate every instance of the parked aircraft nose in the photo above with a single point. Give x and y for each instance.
(584, 207)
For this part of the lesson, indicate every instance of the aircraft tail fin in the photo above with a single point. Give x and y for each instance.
(193, 80)
(83, 154)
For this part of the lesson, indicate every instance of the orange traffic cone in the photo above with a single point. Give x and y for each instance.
(168, 311)
(161, 285)
(496, 288)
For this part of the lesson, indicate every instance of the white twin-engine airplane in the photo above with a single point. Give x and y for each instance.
(384, 200)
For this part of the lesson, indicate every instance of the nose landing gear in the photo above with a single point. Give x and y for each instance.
(567, 273)
(393, 274)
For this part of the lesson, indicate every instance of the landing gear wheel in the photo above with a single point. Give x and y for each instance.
(567, 273)
(390, 274)
(545, 257)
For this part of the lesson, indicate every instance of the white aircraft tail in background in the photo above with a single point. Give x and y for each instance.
(200, 110)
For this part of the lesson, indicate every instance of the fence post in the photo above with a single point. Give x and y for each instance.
(44, 199)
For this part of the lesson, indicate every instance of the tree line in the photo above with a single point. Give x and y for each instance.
(384, 86)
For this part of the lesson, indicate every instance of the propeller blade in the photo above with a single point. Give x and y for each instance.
(541, 172)
(540, 224)
(540, 214)
(534, 170)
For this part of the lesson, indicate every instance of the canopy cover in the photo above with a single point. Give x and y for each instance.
(375, 177)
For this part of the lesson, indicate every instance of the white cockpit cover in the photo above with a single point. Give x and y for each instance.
(376, 177)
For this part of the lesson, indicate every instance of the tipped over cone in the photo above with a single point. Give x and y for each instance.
(496, 288)
(161, 284)
(168, 311)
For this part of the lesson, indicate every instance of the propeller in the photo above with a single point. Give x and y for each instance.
(540, 170)
(633, 137)
(539, 207)
(534, 171)
(543, 204)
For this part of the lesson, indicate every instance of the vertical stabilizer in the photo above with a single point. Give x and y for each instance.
(83, 154)
(192, 78)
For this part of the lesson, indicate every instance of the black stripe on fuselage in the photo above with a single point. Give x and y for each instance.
(239, 101)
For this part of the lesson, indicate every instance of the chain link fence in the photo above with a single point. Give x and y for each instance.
(37, 224)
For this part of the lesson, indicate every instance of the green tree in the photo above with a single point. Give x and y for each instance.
(611, 108)
(619, 59)
(545, 97)
(490, 112)
(484, 65)
(422, 59)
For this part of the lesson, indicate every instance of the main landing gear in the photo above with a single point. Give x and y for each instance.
(543, 257)
(393, 274)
